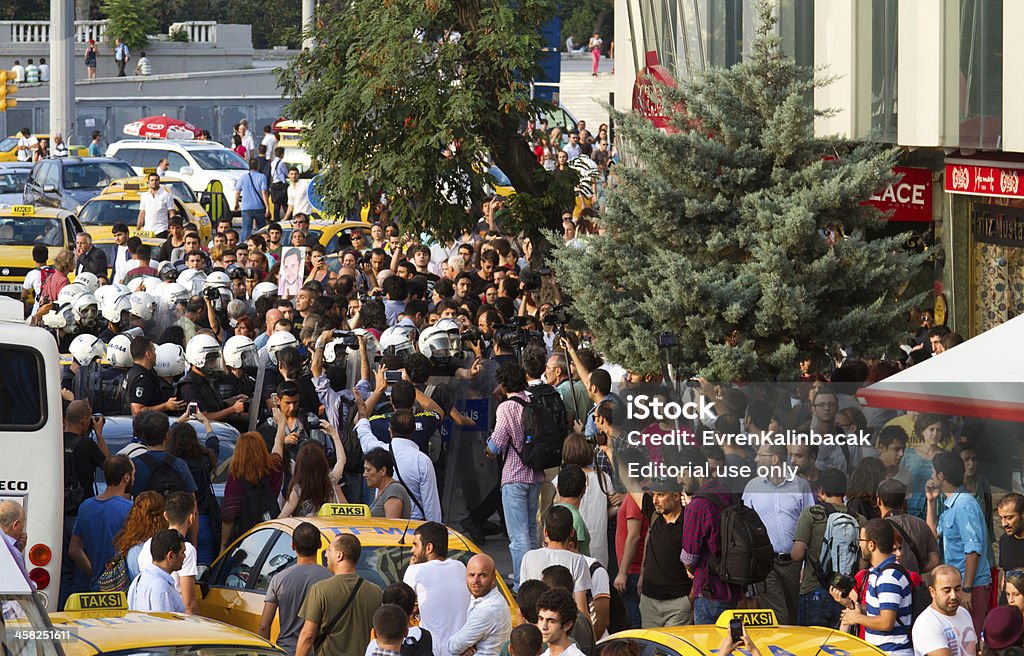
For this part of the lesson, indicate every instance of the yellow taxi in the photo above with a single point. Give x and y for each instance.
(100, 623)
(21, 228)
(761, 626)
(9, 145)
(119, 203)
(232, 589)
(334, 236)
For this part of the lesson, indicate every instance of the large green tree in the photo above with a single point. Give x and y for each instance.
(391, 85)
(719, 232)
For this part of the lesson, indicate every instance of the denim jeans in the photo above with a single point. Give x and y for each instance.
(248, 217)
(706, 611)
(520, 501)
(818, 608)
(631, 599)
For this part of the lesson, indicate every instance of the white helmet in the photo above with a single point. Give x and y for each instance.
(62, 319)
(203, 352)
(263, 289)
(240, 352)
(69, 293)
(442, 341)
(398, 340)
(89, 280)
(281, 339)
(104, 291)
(115, 305)
(86, 348)
(192, 280)
(217, 279)
(143, 305)
(173, 293)
(86, 308)
(170, 360)
(119, 351)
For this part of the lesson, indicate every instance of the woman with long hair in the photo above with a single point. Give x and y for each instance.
(392, 499)
(254, 471)
(599, 500)
(182, 442)
(930, 432)
(313, 484)
(145, 519)
(1014, 589)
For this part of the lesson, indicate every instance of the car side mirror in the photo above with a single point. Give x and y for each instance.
(49, 189)
(186, 170)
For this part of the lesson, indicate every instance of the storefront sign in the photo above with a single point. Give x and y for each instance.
(995, 224)
(646, 92)
(908, 199)
(999, 180)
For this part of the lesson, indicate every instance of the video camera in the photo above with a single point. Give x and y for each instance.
(558, 315)
(347, 338)
(513, 335)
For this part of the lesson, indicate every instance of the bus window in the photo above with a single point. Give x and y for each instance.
(22, 405)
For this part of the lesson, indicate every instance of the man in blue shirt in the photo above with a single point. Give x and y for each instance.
(153, 589)
(99, 520)
(962, 528)
(252, 199)
(153, 434)
(121, 56)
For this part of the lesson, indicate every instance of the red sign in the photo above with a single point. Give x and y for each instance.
(645, 92)
(1003, 180)
(909, 198)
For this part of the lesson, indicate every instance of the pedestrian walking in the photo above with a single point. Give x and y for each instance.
(121, 56)
(90, 59)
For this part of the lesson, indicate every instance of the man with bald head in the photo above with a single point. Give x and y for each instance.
(12, 530)
(270, 319)
(488, 622)
(945, 628)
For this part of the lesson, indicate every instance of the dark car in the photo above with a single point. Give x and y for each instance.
(67, 182)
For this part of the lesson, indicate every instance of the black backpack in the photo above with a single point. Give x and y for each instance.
(422, 647)
(74, 493)
(746, 555)
(920, 598)
(548, 397)
(542, 437)
(618, 616)
(163, 477)
(259, 504)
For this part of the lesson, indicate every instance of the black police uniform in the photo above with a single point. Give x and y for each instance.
(144, 387)
(198, 388)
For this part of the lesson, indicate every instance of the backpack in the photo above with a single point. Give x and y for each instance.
(115, 576)
(163, 477)
(548, 397)
(920, 599)
(840, 547)
(349, 439)
(422, 647)
(618, 616)
(746, 555)
(74, 493)
(259, 504)
(542, 438)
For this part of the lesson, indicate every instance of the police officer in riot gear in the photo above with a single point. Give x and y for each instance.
(143, 384)
(205, 358)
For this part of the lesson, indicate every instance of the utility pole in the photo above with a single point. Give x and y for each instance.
(62, 68)
(308, 9)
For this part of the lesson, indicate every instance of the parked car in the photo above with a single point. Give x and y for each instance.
(12, 182)
(68, 182)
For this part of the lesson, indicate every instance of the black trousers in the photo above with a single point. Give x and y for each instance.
(120, 68)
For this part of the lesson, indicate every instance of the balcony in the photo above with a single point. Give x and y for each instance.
(38, 32)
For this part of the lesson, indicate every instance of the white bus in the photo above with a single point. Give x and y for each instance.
(31, 445)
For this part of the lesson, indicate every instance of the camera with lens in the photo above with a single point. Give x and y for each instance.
(843, 582)
(471, 336)
(212, 293)
(558, 315)
(511, 337)
(313, 422)
(667, 340)
(347, 338)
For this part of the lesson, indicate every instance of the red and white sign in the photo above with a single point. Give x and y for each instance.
(1001, 179)
(910, 198)
(161, 127)
(645, 92)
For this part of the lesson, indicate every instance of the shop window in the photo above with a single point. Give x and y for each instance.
(884, 80)
(981, 73)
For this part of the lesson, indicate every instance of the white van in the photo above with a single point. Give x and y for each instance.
(196, 162)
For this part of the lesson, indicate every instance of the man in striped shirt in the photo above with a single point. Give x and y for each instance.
(885, 612)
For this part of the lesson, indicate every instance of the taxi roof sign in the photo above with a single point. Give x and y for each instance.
(97, 601)
(23, 210)
(344, 510)
(148, 171)
(751, 618)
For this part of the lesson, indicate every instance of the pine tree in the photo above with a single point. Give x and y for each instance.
(718, 232)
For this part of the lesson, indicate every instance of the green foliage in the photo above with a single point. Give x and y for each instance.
(179, 35)
(581, 17)
(25, 10)
(132, 21)
(717, 233)
(384, 103)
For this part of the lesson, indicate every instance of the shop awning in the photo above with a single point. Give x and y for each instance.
(983, 377)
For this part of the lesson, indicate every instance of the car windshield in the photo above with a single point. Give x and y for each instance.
(213, 159)
(8, 144)
(31, 230)
(299, 158)
(13, 182)
(22, 611)
(109, 212)
(181, 191)
(95, 175)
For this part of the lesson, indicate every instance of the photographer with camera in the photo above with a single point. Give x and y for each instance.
(599, 387)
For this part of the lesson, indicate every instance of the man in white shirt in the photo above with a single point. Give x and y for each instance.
(162, 166)
(269, 140)
(557, 531)
(556, 615)
(44, 70)
(488, 621)
(19, 71)
(153, 589)
(945, 628)
(440, 585)
(27, 145)
(247, 141)
(180, 513)
(298, 199)
(156, 206)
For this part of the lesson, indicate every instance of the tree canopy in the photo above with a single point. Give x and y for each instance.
(390, 87)
(724, 232)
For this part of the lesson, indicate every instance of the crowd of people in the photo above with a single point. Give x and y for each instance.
(891, 537)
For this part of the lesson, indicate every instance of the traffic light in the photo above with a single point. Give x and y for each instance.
(7, 89)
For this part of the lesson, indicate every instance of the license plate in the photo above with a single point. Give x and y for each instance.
(10, 288)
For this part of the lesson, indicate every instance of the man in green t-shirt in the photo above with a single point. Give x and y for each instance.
(572, 483)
